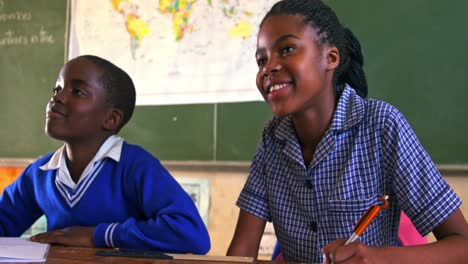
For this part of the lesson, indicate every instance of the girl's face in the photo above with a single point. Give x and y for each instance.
(78, 107)
(294, 71)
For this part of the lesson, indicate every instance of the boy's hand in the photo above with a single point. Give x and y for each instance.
(76, 236)
(356, 252)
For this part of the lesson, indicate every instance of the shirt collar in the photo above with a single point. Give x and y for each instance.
(349, 112)
(112, 148)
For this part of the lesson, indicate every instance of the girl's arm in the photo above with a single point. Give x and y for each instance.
(248, 234)
(423, 195)
(451, 247)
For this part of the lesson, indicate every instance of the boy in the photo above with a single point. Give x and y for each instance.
(98, 190)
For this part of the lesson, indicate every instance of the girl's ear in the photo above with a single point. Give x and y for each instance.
(113, 119)
(333, 57)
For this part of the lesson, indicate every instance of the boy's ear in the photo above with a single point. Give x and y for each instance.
(333, 57)
(113, 119)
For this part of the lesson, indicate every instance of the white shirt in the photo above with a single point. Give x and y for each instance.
(111, 148)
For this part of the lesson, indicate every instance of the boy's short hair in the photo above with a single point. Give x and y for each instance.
(119, 85)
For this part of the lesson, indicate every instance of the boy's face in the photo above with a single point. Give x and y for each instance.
(78, 108)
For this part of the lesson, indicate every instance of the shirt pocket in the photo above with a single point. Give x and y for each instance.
(344, 214)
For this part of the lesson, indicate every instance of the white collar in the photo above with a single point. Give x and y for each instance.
(111, 148)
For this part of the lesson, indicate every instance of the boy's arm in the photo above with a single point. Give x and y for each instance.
(74, 236)
(18, 206)
(169, 220)
(451, 247)
(248, 234)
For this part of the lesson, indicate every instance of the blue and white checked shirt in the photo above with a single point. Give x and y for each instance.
(369, 150)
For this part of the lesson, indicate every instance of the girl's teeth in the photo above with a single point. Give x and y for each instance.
(277, 87)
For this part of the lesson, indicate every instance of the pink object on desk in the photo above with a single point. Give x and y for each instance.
(279, 257)
(408, 234)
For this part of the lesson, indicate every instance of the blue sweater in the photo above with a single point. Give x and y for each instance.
(133, 203)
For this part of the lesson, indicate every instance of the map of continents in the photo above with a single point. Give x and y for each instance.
(177, 51)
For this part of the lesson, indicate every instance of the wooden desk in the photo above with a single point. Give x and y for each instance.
(72, 255)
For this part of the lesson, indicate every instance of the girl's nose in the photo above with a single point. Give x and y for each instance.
(270, 67)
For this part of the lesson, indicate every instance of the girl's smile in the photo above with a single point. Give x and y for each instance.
(276, 91)
(294, 70)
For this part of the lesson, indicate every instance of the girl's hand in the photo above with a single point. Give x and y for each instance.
(356, 252)
(76, 236)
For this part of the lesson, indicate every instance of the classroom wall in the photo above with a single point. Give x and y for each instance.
(224, 190)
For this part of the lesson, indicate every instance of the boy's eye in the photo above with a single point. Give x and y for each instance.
(56, 90)
(78, 92)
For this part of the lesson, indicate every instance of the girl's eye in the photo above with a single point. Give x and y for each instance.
(287, 49)
(261, 61)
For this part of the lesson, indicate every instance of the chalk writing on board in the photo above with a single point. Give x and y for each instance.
(16, 37)
(11, 38)
(14, 16)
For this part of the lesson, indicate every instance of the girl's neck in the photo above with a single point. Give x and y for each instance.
(310, 127)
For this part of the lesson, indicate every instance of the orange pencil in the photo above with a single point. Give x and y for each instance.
(367, 218)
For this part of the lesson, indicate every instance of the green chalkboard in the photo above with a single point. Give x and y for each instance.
(415, 58)
(32, 51)
(204, 132)
(414, 55)
(182, 132)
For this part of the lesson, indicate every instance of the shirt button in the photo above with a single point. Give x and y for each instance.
(314, 226)
(309, 184)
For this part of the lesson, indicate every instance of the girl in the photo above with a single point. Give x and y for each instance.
(329, 153)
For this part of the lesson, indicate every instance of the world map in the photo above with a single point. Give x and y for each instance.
(180, 12)
(177, 51)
